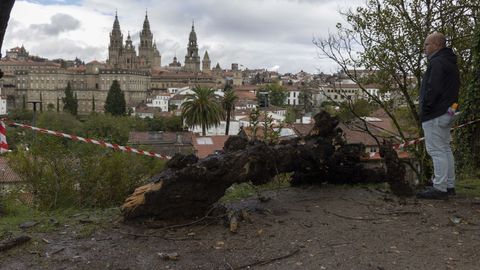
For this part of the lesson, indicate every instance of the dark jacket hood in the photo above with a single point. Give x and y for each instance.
(447, 54)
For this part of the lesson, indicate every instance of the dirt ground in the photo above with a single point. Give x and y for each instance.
(298, 228)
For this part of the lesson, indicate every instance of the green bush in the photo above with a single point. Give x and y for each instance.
(62, 173)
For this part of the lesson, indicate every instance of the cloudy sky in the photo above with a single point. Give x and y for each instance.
(273, 34)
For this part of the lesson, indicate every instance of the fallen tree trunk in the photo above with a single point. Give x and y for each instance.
(8, 244)
(189, 187)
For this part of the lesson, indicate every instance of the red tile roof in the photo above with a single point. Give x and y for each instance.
(247, 95)
(205, 146)
(302, 130)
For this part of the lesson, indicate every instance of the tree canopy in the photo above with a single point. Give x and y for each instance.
(115, 103)
(277, 94)
(202, 108)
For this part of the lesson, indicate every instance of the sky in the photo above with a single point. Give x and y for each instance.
(271, 34)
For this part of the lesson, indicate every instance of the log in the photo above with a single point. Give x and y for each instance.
(188, 187)
(8, 244)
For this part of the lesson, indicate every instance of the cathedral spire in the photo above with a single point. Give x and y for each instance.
(116, 24)
(193, 35)
(146, 24)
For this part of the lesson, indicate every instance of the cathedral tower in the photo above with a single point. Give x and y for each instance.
(129, 54)
(147, 51)
(192, 60)
(206, 63)
(115, 48)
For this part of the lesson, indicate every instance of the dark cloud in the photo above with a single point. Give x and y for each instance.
(58, 23)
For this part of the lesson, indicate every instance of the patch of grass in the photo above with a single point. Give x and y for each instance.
(244, 190)
(84, 221)
(86, 231)
(468, 186)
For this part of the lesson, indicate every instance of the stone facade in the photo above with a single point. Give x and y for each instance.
(48, 86)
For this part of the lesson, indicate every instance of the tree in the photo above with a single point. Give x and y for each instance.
(385, 38)
(70, 102)
(115, 103)
(306, 98)
(293, 113)
(349, 110)
(202, 108)
(467, 139)
(228, 105)
(276, 94)
(93, 103)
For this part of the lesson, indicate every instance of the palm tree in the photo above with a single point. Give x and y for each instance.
(202, 108)
(228, 105)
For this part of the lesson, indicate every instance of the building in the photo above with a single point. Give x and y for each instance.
(159, 101)
(17, 53)
(192, 59)
(124, 56)
(205, 146)
(90, 85)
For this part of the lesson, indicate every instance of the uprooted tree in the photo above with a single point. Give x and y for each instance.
(189, 186)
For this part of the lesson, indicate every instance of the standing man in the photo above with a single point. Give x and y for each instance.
(438, 101)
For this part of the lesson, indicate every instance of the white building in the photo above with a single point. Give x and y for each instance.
(160, 101)
(233, 129)
(292, 98)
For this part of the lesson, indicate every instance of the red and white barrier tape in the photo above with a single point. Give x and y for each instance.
(4, 145)
(3, 138)
(416, 141)
(97, 142)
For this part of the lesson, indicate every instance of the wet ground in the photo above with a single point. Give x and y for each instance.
(297, 228)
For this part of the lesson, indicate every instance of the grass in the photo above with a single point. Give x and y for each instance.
(468, 186)
(84, 221)
(244, 190)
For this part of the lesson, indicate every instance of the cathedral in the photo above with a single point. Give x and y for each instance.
(125, 56)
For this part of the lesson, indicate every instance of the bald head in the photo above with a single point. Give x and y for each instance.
(434, 42)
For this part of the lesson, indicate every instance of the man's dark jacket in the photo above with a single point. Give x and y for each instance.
(440, 85)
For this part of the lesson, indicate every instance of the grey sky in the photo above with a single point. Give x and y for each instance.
(252, 33)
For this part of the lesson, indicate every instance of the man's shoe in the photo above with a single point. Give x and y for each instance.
(431, 193)
(451, 192)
